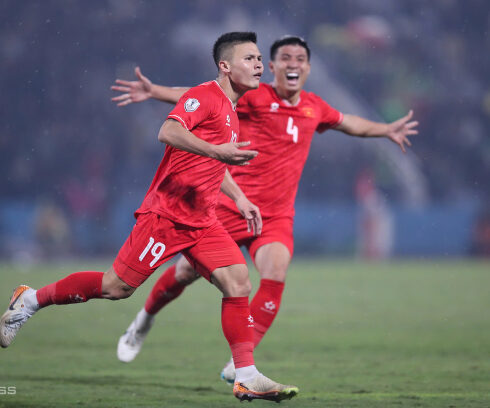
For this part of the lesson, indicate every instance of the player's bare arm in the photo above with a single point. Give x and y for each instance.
(143, 89)
(248, 210)
(174, 134)
(397, 131)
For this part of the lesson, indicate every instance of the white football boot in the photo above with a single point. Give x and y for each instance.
(15, 316)
(228, 373)
(261, 387)
(131, 341)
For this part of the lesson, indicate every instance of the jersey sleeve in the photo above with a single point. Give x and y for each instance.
(329, 118)
(195, 106)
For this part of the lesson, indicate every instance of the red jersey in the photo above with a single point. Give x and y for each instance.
(282, 135)
(186, 186)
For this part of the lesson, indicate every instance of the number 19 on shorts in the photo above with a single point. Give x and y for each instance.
(157, 250)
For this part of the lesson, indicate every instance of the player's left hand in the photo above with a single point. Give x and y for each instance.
(251, 213)
(400, 129)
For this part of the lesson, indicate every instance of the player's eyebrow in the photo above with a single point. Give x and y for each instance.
(287, 55)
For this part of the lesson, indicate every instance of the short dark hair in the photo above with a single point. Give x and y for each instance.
(228, 40)
(289, 40)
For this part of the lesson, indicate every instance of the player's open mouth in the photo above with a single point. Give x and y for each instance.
(258, 76)
(292, 78)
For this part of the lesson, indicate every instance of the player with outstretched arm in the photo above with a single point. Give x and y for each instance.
(280, 120)
(178, 215)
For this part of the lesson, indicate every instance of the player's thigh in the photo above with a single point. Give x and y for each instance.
(272, 261)
(153, 241)
(217, 253)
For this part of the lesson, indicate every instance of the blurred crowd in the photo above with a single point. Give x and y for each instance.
(79, 162)
(429, 56)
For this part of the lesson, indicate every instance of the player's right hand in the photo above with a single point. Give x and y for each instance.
(251, 213)
(134, 91)
(230, 153)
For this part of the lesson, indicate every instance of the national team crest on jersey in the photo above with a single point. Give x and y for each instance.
(191, 105)
(274, 106)
(308, 112)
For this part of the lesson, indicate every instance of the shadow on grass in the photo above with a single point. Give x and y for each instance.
(107, 380)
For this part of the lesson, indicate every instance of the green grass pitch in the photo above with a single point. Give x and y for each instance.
(350, 334)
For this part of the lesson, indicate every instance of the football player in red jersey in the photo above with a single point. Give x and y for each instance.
(178, 215)
(280, 121)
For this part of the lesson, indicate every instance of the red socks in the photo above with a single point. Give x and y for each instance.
(238, 326)
(264, 306)
(166, 289)
(75, 288)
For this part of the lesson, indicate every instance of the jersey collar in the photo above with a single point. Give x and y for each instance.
(233, 105)
(285, 101)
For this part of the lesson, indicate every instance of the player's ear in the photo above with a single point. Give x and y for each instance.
(271, 66)
(224, 66)
(308, 68)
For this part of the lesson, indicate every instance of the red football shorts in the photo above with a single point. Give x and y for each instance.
(275, 229)
(155, 239)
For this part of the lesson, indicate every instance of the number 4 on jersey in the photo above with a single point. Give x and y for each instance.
(292, 130)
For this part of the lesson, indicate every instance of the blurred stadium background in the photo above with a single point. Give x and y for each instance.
(74, 166)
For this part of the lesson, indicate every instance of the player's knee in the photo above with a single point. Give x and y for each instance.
(185, 273)
(274, 268)
(274, 272)
(245, 288)
(121, 293)
(115, 290)
(272, 261)
(117, 293)
(233, 281)
(237, 289)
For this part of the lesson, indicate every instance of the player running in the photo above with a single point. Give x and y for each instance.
(279, 120)
(178, 215)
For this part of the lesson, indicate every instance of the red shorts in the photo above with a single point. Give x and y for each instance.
(275, 229)
(155, 239)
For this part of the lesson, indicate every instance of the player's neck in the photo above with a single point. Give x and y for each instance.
(284, 94)
(230, 91)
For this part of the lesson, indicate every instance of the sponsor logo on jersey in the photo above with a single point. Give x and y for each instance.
(191, 105)
(274, 106)
(308, 112)
(228, 120)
